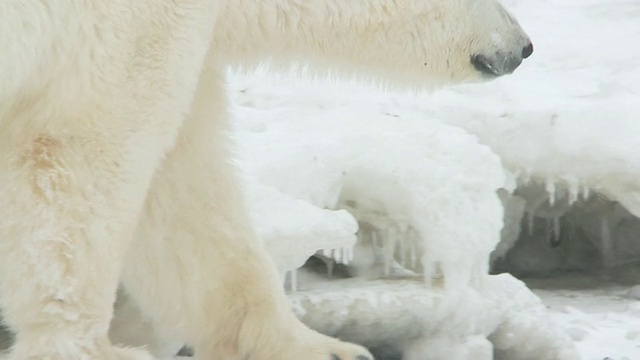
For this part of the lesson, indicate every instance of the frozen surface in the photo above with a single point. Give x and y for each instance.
(293, 230)
(600, 311)
(397, 176)
(398, 315)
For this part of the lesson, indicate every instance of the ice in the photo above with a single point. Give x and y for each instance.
(597, 312)
(293, 230)
(634, 292)
(434, 219)
(574, 189)
(453, 348)
(551, 191)
(406, 317)
(367, 174)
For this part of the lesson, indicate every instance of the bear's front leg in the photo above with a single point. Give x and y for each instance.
(69, 203)
(196, 267)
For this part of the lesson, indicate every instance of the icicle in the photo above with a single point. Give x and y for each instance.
(402, 245)
(386, 258)
(330, 264)
(574, 190)
(586, 192)
(413, 257)
(349, 254)
(394, 237)
(337, 255)
(327, 253)
(511, 181)
(293, 277)
(390, 248)
(550, 186)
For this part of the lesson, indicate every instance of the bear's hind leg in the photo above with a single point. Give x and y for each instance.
(196, 267)
(69, 203)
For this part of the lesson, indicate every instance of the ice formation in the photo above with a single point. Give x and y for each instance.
(566, 130)
(450, 179)
(293, 230)
(425, 201)
(400, 316)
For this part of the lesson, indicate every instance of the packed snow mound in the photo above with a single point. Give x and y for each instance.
(566, 128)
(396, 176)
(425, 198)
(597, 309)
(402, 318)
(274, 213)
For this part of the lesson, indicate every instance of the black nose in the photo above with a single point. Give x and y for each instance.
(527, 51)
(496, 65)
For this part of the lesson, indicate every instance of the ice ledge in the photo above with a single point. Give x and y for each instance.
(502, 320)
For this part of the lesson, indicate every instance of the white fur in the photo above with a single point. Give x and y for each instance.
(114, 165)
(410, 42)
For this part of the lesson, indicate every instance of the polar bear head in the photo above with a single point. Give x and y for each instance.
(496, 44)
(432, 42)
(457, 40)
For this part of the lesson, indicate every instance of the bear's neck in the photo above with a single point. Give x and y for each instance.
(361, 36)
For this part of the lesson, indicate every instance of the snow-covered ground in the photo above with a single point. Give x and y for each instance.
(418, 174)
(601, 311)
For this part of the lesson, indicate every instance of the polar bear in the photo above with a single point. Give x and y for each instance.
(115, 168)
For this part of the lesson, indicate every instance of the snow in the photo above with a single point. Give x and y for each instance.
(397, 315)
(367, 172)
(274, 214)
(417, 174)
(601, 312)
